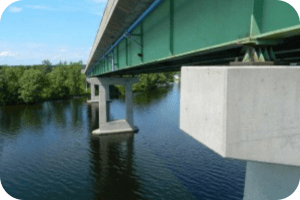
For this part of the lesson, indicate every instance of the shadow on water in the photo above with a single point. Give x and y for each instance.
(112, 164)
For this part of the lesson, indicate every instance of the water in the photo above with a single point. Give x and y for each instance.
(47, 152)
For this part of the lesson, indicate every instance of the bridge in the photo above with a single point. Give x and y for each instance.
(240, 81)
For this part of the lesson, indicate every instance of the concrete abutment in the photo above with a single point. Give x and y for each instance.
(248, 113)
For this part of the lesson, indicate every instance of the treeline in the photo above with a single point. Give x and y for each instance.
(148, 82)
(38, 83)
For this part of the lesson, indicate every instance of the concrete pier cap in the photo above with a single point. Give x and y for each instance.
(120, 126)
(249, 113)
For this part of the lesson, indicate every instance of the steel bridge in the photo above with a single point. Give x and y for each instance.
(142, 36)
(239, 87)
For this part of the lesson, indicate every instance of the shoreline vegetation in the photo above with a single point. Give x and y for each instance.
(45, 82)
(147, 82)
(38, 83)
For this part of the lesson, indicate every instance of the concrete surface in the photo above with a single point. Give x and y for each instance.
(121, 126)
(93, 100)
(270, 181)
(248, 113)
(93, 92)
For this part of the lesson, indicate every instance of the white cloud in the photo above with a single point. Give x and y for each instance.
(35, 53)
(63, 50)
(15, 9)
(40, 7)
(6, 54)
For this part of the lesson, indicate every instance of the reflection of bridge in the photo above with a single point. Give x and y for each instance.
(237, 98)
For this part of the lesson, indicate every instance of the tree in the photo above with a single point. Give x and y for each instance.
(57, 86)
(3, 88)
(32, 84)
(12, 75)
(46, 62)
(48, 65)
(75, 80)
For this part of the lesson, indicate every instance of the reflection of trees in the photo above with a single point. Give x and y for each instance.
(146, 98)
(112, 164)
(10, 119)
(33, 115)
(76, 107)
(59, 110)
(1, 145)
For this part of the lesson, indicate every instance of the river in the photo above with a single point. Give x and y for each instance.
(47, 152)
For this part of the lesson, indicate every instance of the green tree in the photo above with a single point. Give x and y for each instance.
(56, 79)
(75, 80)
(32, 84)
(3, 88)
(46, 62)
(47, 65)
(12, 75)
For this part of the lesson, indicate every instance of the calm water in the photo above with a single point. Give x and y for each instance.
(47, 152)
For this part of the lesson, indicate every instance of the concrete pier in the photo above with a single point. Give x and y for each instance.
(247, 113)
(94, 98)
(120, 126)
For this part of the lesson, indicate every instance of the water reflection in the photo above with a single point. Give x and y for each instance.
(146, 98)
(10, 119)
(31, 117)
(15, 118)
(77, 112)
(93, 115)
(59, 110)
(65, 161)
(115, 175)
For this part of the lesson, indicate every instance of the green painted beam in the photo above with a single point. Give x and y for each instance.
(179, 28)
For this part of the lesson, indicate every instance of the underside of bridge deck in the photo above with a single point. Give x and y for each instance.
(191, 32)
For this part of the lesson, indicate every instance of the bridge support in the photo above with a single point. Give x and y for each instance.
(120, 126)
(94, 98)
(248, 113)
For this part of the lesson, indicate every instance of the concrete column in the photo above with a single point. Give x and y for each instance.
(107, 93)
(94, 98)
(270, 181)
(92, 92)
(129, 104)
(119, 126)
(102, 104)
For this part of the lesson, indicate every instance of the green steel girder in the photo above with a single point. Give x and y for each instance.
(202, 31)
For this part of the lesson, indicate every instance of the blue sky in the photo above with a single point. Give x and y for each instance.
(35, 30)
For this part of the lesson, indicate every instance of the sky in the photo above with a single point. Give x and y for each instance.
(59, 30)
